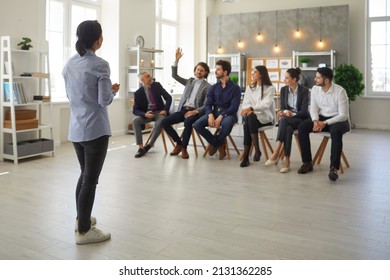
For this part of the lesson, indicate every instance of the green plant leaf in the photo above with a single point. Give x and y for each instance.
(351, 79)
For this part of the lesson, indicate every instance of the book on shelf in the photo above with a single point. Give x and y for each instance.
(35, 74)
(18, 92)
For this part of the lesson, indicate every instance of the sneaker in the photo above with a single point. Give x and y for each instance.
(305, 168)
(333, 174)
(94, 235)
(176, 150)
(93, 223)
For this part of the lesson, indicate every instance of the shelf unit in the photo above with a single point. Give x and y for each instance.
(21, 143)
(238, 62)
(326, 57)
(140, 59)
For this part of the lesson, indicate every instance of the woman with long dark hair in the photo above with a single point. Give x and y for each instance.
(89, 89)
(257, 111)
(294, 103)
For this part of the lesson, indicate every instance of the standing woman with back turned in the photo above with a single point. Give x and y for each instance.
(257, 110)
(89, 89)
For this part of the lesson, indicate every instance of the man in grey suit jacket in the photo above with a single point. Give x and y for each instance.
(191, 105)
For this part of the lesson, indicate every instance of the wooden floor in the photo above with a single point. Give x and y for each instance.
(164, 207)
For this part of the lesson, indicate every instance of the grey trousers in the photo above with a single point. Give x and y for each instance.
(137, 126)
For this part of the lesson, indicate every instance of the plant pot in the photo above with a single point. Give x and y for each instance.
(25, 48)
(304, 65)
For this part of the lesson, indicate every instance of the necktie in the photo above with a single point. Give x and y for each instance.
(153, 106)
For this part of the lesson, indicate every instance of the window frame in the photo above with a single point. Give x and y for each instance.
(369, 92)
(165, 77)
(67, 34)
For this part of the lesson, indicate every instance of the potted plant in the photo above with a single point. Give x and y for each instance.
(304, 61)
(234, 79)
(351, 79)
(25, 44)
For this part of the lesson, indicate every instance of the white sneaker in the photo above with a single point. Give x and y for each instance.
(92, 236)
(93, 222)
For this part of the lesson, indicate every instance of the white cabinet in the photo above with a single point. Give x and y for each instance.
(25, 102)
(237, 60)
(140, 59)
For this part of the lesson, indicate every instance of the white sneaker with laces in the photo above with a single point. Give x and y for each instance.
(93, 223)
(94, 235)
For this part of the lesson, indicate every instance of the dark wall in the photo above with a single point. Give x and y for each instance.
(334, 32)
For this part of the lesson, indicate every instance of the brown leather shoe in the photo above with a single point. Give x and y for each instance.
(305, 168)
(222, 152)
(176, 150)
(212, 150)
(184, 153)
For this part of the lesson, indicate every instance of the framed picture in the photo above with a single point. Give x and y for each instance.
(282, 74)
(272, 63)
(274, 76)
(285, 63)
(257, 62)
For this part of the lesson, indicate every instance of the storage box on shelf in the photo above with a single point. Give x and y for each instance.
(20, 113)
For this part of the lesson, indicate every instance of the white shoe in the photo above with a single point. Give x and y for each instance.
(285, 169)
(93, 222)
(92, 236)
(270, 162)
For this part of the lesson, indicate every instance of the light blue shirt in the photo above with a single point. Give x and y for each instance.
(89, 90)
(292, 99)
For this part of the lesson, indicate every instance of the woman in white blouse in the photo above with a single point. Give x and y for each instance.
(257, 111)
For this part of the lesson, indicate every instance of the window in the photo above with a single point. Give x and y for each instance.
(62, 19)
(166, 35)
(378, 55)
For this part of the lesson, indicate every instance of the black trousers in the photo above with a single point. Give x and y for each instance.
(336, 130)
(285, 132)
(251, 125)
(91, 156)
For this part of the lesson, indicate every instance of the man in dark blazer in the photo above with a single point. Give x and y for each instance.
(149, 106)
(191, 106)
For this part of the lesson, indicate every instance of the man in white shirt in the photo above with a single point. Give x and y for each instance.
(329, 109)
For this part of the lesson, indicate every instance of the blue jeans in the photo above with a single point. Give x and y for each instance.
(175, 118)
(91, 156)
(227, 124)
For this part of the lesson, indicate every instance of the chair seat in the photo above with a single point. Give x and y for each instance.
(162, 134)
(321, 149)
(226, 145)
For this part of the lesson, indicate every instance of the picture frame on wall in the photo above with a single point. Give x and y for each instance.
(272, 63)
(257, 62)
(282, 74)
(274, 76)
(285, 63)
